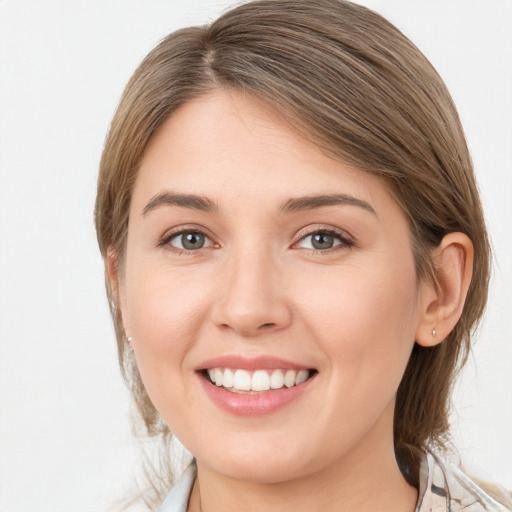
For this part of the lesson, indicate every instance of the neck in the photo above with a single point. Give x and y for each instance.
(367, 478)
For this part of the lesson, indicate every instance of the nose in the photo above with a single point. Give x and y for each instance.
(252, 299)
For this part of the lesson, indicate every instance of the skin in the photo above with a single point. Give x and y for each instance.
(259, 287)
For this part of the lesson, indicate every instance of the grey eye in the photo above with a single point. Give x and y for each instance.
(190, 241)
(322, 241)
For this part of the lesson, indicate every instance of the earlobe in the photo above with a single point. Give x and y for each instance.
(442, 302)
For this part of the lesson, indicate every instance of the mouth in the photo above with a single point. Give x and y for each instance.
(252, 382)
(255, 385)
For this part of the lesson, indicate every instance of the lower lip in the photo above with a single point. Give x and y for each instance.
(253, 405)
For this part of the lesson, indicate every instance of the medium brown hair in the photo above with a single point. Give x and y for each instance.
(354, 85)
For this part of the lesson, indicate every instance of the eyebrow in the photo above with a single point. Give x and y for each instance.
(192, 201)
(318, 201)
(204, 204)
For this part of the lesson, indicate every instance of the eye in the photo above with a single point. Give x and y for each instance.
(189, 240)
(323, 240)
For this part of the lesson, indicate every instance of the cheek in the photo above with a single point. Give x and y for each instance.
(164, 315)
(163, 305)
(365, 317)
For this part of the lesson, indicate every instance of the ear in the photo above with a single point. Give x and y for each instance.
(114, 279)
(442, 302)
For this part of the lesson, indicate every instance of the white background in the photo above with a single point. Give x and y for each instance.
(65, 441)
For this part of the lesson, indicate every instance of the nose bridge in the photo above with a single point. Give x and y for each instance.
(252, 298)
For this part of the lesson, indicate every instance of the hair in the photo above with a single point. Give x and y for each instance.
(355, 86)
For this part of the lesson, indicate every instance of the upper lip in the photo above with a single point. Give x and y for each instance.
(262, 362)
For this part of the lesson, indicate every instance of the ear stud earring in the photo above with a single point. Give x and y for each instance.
(129, 343)
(434, 330)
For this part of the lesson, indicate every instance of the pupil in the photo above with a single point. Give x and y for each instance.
(192, 241)
(322, 241)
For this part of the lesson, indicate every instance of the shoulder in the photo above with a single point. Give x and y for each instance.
(445, 488)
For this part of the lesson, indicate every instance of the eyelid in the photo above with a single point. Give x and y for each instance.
(164, 240)
(345, 238)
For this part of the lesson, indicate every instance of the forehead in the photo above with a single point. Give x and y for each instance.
(226, 145)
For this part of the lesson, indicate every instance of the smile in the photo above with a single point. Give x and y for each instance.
(258, 381)
(255, 386)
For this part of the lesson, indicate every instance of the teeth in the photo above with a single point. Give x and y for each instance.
(302, 376)
(260, 380)
(277, 379)
(289, 378)
(242, 380)
(218, 377)
(228, 379)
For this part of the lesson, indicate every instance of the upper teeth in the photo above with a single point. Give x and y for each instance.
(260, 380)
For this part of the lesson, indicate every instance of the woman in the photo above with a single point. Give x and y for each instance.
(296, 257)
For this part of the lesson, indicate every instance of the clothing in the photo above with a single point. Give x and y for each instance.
(177, 500)
(442, 488)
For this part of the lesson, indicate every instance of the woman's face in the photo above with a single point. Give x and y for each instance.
(255, 260)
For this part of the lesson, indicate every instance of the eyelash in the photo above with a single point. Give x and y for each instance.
(345, 242)
(166, 240)
(339, 235)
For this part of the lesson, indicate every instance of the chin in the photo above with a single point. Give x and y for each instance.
(260, 462)
(258, 470)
